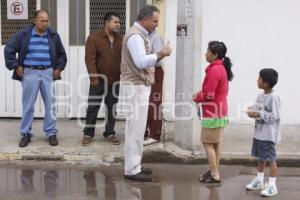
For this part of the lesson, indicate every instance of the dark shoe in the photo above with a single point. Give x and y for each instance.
(209, 179)
(86, 140)
(142, 177)
(112, 140)
(26, 139)
(53, 140)
(146, 170)
(205, 176)
(212, 180)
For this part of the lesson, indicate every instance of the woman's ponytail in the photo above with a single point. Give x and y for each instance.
(228, 65)
(220, 49)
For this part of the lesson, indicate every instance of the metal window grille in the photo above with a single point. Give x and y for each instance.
(51, 6)
(77, 22)
(10, 26)
(98, 9)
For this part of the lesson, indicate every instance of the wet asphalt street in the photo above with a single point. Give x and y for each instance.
(73, 181)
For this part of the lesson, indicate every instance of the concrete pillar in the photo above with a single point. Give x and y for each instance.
(188, 60)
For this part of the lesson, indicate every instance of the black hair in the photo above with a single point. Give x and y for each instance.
(109, 15)
(269, 75)
(147, 12)
(37, 12)
(220, 49)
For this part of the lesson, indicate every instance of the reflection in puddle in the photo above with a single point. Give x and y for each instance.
(214, 192)
(27, 180)
(49, 179)
(71, 184)
(91, 187)
(50, 182)
(171, 182)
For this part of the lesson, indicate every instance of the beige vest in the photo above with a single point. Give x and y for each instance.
(130, 73)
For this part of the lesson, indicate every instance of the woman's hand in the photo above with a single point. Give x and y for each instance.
(194, 96)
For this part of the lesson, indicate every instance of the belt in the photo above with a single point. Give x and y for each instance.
(38, 67)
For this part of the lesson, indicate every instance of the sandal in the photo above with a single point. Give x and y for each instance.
(208, 178)
(204, 176)
(212, 180)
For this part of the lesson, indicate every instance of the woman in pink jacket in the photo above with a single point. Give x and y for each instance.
(213, 99)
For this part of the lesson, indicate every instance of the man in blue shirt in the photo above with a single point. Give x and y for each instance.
(41, 58)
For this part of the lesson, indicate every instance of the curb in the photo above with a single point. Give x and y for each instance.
(151, 156)
(228, 159)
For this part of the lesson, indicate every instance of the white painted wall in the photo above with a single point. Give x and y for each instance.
(258, 34)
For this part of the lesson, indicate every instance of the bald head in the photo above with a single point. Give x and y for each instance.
(41, 21)
(38, 12)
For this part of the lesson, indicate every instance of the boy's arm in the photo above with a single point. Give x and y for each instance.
(270, 117)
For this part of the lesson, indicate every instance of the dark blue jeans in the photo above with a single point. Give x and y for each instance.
(110, 94)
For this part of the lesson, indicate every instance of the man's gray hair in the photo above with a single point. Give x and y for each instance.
(147, 12)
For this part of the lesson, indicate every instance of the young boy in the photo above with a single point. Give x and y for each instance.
(266, 112)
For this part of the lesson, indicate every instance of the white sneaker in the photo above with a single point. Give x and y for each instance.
(269, 191)
(255, 184)
(149, 141)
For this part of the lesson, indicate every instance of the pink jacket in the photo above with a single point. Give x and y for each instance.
(213, 97)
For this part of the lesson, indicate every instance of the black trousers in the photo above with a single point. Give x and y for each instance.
(110, 94)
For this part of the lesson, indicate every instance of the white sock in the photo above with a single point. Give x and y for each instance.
(272, 181)
(260, 176)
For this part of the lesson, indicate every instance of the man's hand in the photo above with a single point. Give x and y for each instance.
(94, 82)
(165, 51)
(56, 74)
(20, 71)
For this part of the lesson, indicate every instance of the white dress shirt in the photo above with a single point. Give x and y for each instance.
(137, 50)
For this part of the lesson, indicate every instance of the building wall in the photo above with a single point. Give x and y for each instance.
(72, 90)
(258, 34)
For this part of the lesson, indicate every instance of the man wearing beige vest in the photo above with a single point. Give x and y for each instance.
(137, 75)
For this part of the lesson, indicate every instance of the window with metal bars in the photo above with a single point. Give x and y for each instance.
(9, 27)
(98, 9)
(51, 7)
(77, 22)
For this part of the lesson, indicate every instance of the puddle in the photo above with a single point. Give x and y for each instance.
(170, 182)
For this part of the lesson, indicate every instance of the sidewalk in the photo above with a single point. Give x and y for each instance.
(236, 146)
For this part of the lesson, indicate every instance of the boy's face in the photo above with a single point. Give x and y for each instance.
(262, 84)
